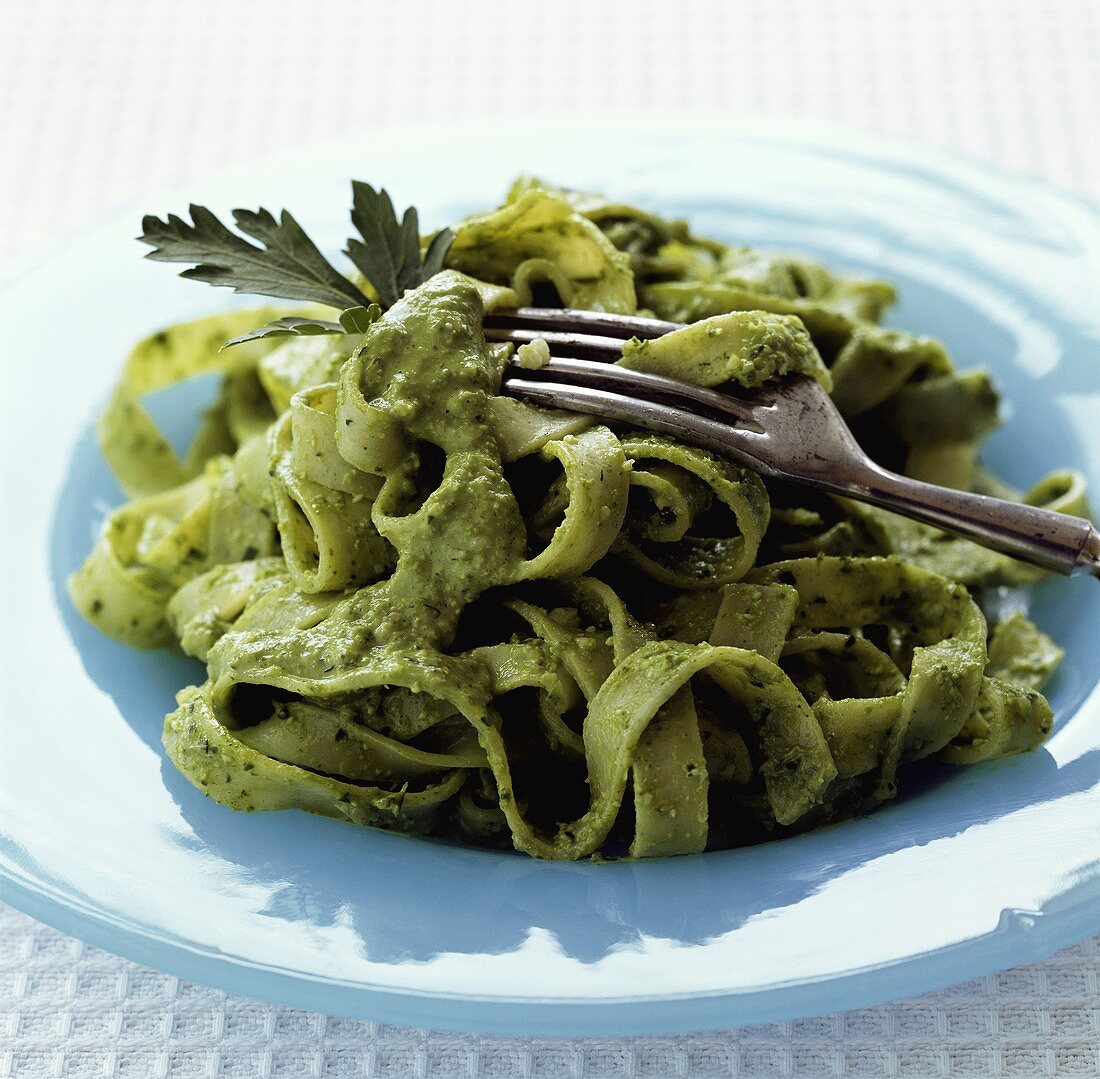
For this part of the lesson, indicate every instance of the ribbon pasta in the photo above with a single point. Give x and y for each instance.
(426, 607)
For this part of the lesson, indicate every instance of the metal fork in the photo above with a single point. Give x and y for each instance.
(788, 429)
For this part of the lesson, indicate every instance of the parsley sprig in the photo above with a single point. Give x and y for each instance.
(287, 264)
(353, 320)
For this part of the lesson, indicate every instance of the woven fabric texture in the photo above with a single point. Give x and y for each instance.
(101, 102)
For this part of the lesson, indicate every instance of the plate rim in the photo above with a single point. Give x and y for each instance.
(1030, 936)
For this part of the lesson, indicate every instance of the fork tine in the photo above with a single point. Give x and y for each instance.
(607, 349)
(698, 430)
(653, 389)
(572, 320)
(576, 337)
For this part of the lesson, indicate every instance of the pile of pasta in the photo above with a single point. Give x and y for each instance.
(427, 607)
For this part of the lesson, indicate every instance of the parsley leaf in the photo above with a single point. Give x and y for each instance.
(436, 253)
(288, 265)
(353, 320)
(390, 256)
(360, 319)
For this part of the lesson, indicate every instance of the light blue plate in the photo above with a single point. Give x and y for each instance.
(972, 870)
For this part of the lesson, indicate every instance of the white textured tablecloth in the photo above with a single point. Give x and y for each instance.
(102, 101)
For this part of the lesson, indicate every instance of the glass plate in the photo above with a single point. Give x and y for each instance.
(971, 870)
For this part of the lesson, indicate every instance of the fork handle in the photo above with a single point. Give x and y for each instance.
(1055, 541)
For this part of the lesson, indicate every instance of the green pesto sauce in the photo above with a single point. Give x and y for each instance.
(425, 365)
